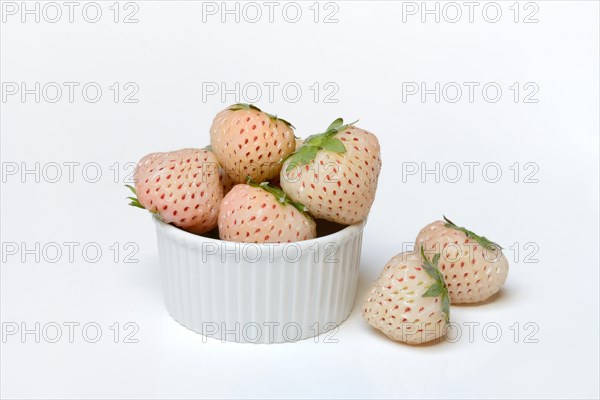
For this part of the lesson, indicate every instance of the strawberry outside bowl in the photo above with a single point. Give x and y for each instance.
(260, 293)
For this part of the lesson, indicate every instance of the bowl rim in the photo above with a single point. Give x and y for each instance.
(340, 236)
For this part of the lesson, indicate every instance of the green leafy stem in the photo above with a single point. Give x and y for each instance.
(134, 202)
(322, 141)
(133, 199)
(438, 288)
(482, 240)
(244, 106)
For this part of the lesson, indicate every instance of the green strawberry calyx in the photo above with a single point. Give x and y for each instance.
(134, 202)
(321, 141)
(279, 195)
(482, 240)
(438, 288)
(245, 106)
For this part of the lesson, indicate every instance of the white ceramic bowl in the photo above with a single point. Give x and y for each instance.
(260, 293)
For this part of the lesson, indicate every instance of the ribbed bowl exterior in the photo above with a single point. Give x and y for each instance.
(259, 293)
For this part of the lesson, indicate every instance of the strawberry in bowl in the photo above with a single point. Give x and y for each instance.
(262, 213)
(250, 142)
(181, 187)
(335, 173)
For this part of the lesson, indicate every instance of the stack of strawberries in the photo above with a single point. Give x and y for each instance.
(258, 183)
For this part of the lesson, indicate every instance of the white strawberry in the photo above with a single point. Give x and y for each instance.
(473, 266)
(335, 173)
(409, 301)
(250, 142)
(182, 187)
(263, 214)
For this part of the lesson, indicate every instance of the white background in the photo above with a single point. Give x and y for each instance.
(368, 54)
